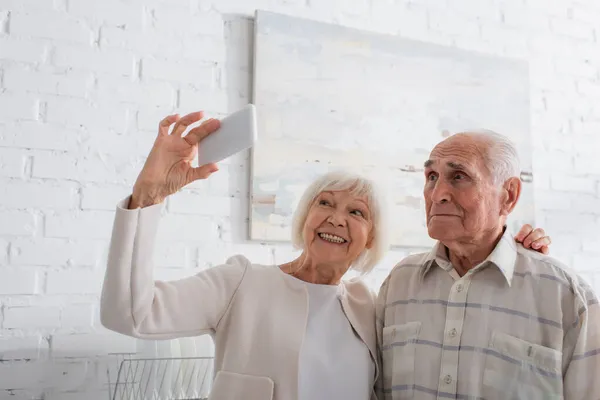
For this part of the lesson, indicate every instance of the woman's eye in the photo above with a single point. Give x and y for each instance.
(324, 202)
(357, 212)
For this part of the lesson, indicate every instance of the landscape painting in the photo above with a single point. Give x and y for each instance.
(330, 97)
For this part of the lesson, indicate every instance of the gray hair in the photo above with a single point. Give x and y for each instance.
(358, 186)
(502, 155)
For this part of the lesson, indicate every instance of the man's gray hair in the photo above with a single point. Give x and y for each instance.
(502, 155)
(359, 186)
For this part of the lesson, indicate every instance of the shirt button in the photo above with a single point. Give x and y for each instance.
(459, 287)
(448, 379)
(452, 332)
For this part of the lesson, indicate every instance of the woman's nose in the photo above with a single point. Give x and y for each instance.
(336, 219)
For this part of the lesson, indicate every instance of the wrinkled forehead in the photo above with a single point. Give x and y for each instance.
(458, 151)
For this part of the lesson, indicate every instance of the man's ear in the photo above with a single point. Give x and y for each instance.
(511, 192)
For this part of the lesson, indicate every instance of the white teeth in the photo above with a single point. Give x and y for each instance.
(331, 238)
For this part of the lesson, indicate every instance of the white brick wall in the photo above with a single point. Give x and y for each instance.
(12, 163)
(83, 84)
(49, 25)
(18, 106)
(73, 281)
(18, 348)
(92, 344)
(31, 317)
(18, 281)
(29, 51)
(17, 223)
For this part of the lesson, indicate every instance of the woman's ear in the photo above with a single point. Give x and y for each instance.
(369, 243)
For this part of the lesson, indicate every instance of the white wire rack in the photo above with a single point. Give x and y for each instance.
(179, 378)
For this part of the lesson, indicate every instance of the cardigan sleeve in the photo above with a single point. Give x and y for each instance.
(134, 304)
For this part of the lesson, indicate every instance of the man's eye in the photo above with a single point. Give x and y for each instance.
(459, 176)
(431, 177)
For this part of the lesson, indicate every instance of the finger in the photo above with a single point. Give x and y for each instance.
(545, 250)
(196, 135)
(539, 243)
(163, 126)
(538, 233)
(186, 121)
(203, 171)
(525, 230)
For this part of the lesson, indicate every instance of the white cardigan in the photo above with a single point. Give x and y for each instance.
(257, 320)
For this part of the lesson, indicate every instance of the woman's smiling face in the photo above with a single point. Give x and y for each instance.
(338, 227)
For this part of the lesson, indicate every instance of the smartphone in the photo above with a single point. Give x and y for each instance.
(237, 132)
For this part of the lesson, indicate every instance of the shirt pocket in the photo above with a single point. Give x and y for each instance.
(517, 369)
(398, 353)
(230, 385)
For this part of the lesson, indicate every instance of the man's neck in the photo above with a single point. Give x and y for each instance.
(466, 255)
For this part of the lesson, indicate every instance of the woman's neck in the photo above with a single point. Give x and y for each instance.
(320, 273)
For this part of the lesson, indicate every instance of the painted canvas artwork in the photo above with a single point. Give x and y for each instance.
(330, 97)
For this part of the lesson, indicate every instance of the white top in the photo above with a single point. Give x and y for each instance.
(334, 363)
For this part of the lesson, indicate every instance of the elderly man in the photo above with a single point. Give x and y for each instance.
(479, 317)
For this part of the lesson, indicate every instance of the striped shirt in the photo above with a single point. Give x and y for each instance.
(517, 326)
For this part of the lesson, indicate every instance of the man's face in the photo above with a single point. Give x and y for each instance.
(462, 202)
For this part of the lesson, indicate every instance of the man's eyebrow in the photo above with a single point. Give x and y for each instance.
(455, 165)
(451, 164)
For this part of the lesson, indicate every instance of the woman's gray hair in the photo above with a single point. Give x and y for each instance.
(359, 186)
(502, 155)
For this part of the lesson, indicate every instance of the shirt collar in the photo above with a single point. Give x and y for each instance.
(504, 257)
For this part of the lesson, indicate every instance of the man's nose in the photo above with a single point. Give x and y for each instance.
(441, 192)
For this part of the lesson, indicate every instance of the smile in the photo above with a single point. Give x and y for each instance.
(332, 238)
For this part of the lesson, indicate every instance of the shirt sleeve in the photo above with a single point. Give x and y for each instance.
(379, 324)
(582, 346)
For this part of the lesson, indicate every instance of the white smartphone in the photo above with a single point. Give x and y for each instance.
(237, 132)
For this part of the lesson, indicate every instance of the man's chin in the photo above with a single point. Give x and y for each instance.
(439, 231)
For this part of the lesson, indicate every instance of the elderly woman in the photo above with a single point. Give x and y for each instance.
(295, 331)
